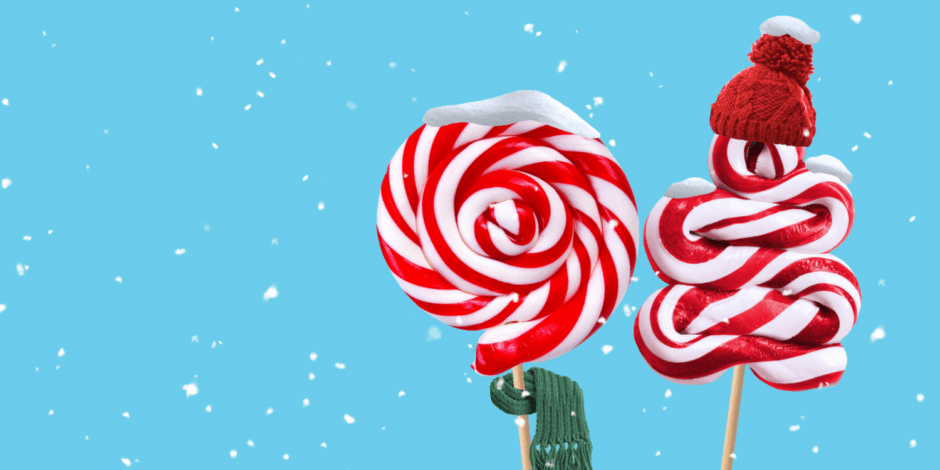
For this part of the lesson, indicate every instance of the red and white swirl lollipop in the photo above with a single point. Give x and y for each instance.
(509, 224)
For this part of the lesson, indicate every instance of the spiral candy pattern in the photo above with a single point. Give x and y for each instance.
(524, 230)
(751, 280)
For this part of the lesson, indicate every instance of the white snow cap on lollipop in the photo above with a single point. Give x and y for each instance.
(796, 28)
(518, 106)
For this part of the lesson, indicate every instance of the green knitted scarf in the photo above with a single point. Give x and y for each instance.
(562, 440)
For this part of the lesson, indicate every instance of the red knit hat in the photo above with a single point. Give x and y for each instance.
(769, 102)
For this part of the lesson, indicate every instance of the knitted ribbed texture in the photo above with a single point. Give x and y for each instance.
(769, 102)
(562, 440)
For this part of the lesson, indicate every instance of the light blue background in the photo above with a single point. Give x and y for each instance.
(153, 181)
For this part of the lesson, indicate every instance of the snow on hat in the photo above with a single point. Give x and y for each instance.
(769, 102)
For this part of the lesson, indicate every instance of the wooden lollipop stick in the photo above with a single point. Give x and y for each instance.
(731, 429)
(525, 438)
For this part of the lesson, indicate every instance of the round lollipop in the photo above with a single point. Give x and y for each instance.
(515, 218)
(510, 215)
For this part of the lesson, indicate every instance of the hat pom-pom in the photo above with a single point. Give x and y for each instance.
(784, 54)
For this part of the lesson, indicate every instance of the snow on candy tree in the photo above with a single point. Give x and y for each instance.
(751, 278)
(510, 215)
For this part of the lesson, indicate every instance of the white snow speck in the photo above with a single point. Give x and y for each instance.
(260, 95)
(212, 38)
(525, 393)
(259, 62)
(126, 415)
(402, 393)
(286, 457)
(607, 349)
(392, 65)
(237, 10)
(269, 294)
(588, 107)
(251, 443)
(529, 28)
(323, 445)
(612, 143)
(881, 282)
(27, 237)
(890, 82)
(61, 352)
(283, 41)
(598, 101)
(815, 449)
(329, 63)
(434, 333)
(20, 269)
(274, 241)
(305, 177)
(657, 453)
(854, 148)
(191, 389)
(6, 102)
(126, 461)
(879, 333)
(602, 320)
(689, 187)
(2, 308)
(340, 365)
(920, 396)
(51, 412)
(351, 105)
(867, 135)
(50, 232)
(180, 251)
(306, 402)
(561, 66)
(270, 410)
(233, 453)
(349, 419)
(651, 74)
(795, 427)
(44, 33)
(538, 34)
(313, 356)
(469, 381)
(119, 280)
(271, 74)
(856, 18)
(733, 456)
(208, 408)
(311, 376)
(248, 106)
(519, 422)
(912, 218)
(913, 443)
(6, 183)
(321, 206)
(668, 393)
(198, 91)
(215, 145)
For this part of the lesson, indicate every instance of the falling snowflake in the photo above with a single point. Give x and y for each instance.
(920, 396)
(248, 106)
(51, 412)
(561, 66)
(520, 422)
(251, 443)
(912, 218)
(180, 251)
(598, 101)
(320, 206)
(913, 443)
(879, 333)
(402, 393)
(313, 356)
(340, 365)
(392, 65)
(119, 280)
(323, 445)
(795, 427)
(269, 294)
(260, 95)
(815, 449)
(286, 457)
(311, 376)
(5, 101)
(856, 18)
(434, 333)
(854, 148)
(349, 419)
(306, 402)
(351, 105)
(881, 282)
(733, 456)
(612, 143)
(126, 462)
(657, 453)
(233, 453)
(5, 183)
(668, 393)
(191, 389)
(867, 135)
(270, 410)
(208, 408)
(126, 415)
(529, 28)
(607, 349)
(305, 177)
(61, 352)
(283, 41)
(274, 241)
(198, 91)
(271, 74)
(259, 62)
